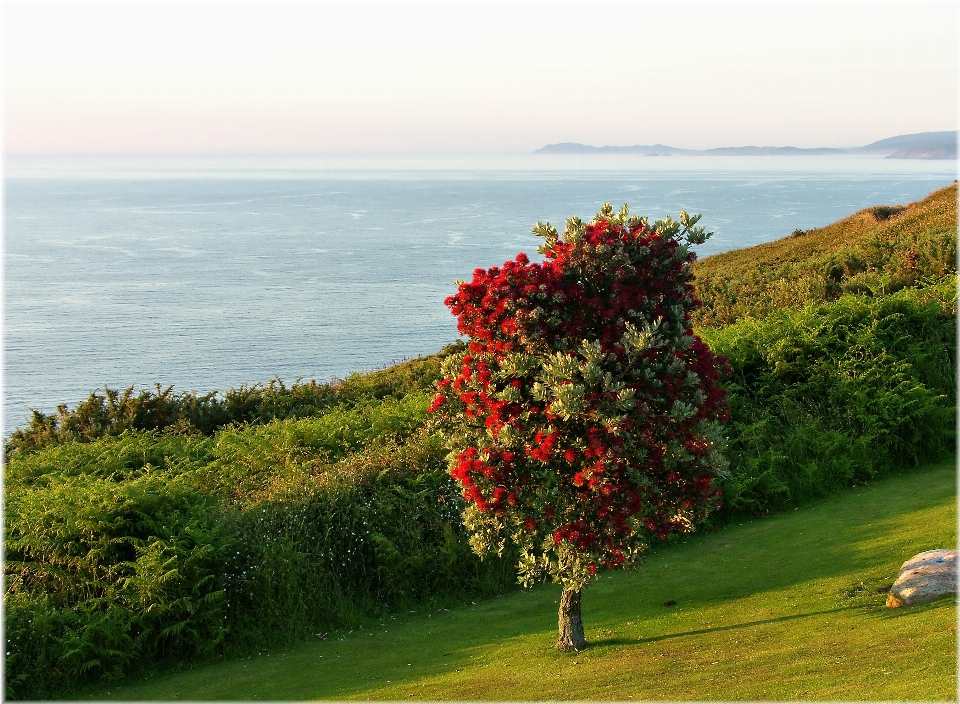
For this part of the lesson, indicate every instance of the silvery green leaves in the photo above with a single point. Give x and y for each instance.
(684, 230)
(566, 400)
(550, 561)
(549, 234)
(517, 364)
(637, 340)
(693, 235)
(560, 367)
(566, 378)
(682, 410)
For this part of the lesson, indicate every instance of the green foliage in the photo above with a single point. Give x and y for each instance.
(113, 412)
(843, 351)
(837, 393)
(148, 548)
(108, 568)
(874, 252)
(380, 531)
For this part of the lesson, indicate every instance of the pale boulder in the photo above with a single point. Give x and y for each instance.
(925, 577)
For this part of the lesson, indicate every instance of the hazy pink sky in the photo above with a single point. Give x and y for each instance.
(181, 77)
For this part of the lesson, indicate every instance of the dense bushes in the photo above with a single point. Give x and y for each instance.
(111, 557)
(381, 533)
(150, 547)
(838, 393)
(113, 412)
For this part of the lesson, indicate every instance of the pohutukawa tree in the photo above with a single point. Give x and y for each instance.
(584, 419)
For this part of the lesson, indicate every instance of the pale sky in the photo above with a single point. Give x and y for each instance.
(266, 77)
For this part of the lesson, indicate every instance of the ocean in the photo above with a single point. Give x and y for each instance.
(210, 272)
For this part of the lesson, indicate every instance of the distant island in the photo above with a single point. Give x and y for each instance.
(924, 145)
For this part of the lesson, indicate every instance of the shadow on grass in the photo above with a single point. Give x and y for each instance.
(943, 602)
(875, 611)
(720, 629)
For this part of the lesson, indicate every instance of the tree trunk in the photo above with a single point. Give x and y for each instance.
(571, 625)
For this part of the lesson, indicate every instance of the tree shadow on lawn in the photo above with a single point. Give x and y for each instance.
(842, 536)
(718, 629)
(462, 660)
(873, 612)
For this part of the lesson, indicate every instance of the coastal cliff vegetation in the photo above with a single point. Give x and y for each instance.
(147, 529)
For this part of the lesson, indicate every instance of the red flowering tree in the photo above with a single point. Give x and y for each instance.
(584, 418)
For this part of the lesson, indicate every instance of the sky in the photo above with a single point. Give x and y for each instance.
(177, 77)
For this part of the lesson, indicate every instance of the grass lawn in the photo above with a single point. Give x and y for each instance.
(787, 607)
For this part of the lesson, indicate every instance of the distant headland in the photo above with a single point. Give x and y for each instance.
(923, 145)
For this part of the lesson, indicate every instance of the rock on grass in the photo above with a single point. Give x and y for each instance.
(925, 577)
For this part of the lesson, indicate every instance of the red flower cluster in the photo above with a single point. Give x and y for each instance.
(543, 446)
(596, 477)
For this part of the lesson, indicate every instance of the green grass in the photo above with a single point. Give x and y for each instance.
(873, 252)
(787, 607)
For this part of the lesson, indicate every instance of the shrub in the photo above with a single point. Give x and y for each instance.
(113, 412)
(107, 569)
(837, 393)
(150, 548)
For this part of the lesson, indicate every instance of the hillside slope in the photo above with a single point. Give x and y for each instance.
(875, 251)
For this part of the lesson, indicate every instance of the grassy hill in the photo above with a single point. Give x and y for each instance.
(874, 252)
(789, 607)
(148, 530)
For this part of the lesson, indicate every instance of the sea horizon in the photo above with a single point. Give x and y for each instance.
(361, 165)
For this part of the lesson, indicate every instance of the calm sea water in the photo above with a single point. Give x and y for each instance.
(210, 273)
